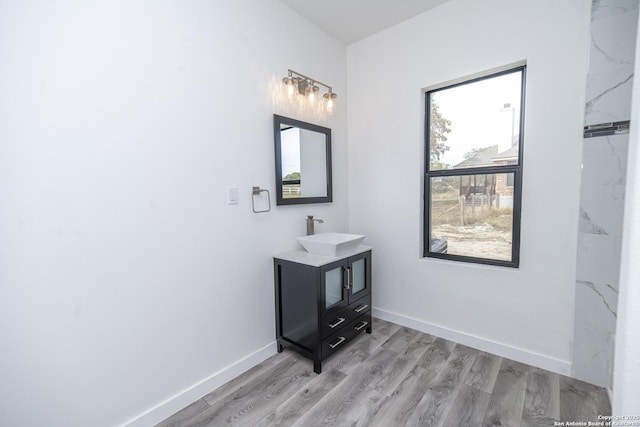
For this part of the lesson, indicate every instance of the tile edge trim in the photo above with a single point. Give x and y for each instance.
(607, 129)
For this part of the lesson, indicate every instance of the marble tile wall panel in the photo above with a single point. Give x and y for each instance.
(608, 99)
(593, 295)
(604, 167)
(611, 60)
(592, 356)
(597, 274)
(598, 257)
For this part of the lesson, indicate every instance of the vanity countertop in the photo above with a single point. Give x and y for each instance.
(303, 257)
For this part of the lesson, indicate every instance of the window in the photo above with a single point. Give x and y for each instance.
(473, 169)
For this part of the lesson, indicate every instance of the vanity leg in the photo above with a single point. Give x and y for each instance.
(317, 367)
(280, 348)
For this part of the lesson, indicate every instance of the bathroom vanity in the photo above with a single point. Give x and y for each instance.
(322, 302)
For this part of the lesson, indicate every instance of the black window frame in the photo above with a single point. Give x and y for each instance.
(515, 169)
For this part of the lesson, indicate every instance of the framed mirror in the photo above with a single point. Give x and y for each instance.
(303, 162)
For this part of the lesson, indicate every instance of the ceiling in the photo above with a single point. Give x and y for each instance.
(352, 20)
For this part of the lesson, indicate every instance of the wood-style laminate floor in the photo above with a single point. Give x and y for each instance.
(395, 377)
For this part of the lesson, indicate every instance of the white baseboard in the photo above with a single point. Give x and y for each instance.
(181, 400)
(518, 354)
(184, 398)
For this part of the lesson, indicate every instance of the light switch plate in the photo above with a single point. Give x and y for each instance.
(232, 195)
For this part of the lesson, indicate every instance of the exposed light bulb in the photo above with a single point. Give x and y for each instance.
(329, 96)
(289, 84)
(313, 89)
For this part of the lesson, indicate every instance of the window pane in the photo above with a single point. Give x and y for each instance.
(475, 124)
(472, 215)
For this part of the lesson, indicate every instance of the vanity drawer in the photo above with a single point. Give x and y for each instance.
(361, 305)
(337, 320)
(344, 335)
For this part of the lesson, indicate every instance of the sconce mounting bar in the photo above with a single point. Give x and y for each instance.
(311, 79)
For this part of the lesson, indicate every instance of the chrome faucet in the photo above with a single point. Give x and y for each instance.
(310, 224)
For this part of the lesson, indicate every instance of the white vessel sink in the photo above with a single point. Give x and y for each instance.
(331, 244)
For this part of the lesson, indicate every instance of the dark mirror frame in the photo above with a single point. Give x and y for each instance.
(281, 120)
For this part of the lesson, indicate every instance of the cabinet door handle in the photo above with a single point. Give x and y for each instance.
(359, 309)
(340, 320)
(362, 325)
(337, 343)
(346, 278)
(350, 278)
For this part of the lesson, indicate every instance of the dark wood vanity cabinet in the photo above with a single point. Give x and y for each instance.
(321, 306)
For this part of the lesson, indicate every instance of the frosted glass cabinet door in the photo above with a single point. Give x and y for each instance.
(333, 287)
(359, 280)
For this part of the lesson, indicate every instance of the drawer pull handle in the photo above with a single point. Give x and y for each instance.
(337, 343)
(362, 325)
(359, 309)
(333, 325)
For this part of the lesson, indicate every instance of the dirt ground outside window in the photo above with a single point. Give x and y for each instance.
(480, 241)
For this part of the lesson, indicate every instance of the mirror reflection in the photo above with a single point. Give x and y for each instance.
(303, 162)
(303, 150)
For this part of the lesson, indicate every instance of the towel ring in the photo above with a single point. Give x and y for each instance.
(256, 192)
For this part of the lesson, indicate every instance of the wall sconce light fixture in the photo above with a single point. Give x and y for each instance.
(307, 87)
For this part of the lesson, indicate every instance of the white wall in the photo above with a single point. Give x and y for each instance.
(524, 313)
(626, 382)
(125, 278)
